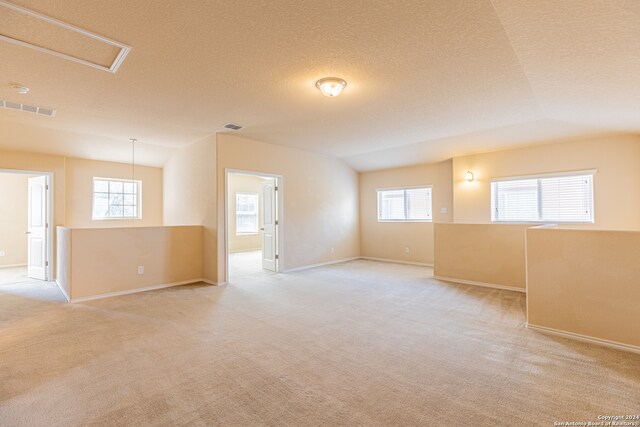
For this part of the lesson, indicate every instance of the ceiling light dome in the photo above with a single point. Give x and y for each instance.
(331, 86)
(19, 88)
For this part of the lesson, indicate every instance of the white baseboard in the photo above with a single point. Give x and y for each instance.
(306, 267)
(13, 266)
(422, 264)
(483, 284)
(338, 261)
(63, 291)
(211, 282)
(246, 250)
(585, 338)
(134, 291)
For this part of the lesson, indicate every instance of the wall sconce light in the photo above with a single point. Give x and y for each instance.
(468, 176)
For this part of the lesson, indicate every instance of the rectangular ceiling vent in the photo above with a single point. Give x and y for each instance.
(41, 111)
(232, 126)
(27, 28)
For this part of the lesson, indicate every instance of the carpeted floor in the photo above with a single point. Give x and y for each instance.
(359, 343)
(245, 264)
(10, 275)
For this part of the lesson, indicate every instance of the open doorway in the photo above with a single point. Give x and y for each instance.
(26, 240)
(253, 223)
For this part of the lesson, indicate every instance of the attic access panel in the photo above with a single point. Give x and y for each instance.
(34, 30)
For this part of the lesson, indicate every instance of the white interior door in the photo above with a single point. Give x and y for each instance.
(37, 232)
(269, 223)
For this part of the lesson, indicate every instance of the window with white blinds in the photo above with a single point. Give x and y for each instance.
(404, 204)
(247, 213)
(543, 198)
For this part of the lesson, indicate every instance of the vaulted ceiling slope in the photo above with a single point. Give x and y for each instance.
(426, 79)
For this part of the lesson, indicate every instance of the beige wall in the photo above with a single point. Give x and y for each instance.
(585, 282)
(485, 253)
(320, 200)
(388, 240)
(106, 260)
(41, 163)
(13, 218)
(79, 192)
(238, 183)
(63, 261)
(72, 197)
(190, 196)
(616, 185)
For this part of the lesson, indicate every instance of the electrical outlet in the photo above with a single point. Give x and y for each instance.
(443, 210)
(333, 250)
(407, 250)
(2, 253)
(141, 269)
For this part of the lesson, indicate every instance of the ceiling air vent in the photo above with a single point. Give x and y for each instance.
(41, 111)
(232, 126)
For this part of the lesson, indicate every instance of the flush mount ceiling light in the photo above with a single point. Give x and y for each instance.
(19, 88)
(331, 86)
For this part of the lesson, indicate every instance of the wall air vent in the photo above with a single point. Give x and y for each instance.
(232, 126)
(41, 111)
(27, 28)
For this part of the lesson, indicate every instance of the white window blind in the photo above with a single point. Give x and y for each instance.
(116, 198)
(404, 204)
(246, 213)
(554, 198)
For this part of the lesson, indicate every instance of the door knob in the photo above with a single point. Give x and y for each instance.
(27, 232)
(261, 228)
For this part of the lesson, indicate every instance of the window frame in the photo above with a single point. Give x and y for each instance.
(257, 214)
(405, 188)
(538, 177)
(138, 182)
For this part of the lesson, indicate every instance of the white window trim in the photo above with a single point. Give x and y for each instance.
(591, 172)
(407, 187)
(252, 233)
(410, 187)
(138, 201)
(545, 175)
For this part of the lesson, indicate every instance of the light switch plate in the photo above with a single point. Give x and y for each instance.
(2, 253)
(141, 269)
(443, 210)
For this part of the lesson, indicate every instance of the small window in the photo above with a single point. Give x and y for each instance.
(404, 204)
(116, 198)
(246, 213)
(558, 198)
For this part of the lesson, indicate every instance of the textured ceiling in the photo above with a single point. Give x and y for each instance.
(427, 79)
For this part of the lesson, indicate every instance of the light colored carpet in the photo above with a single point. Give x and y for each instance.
(358, 343)
(245, 264)
(10, 275)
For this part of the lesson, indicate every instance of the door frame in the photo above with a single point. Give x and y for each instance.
(279, 215)
(49, 213)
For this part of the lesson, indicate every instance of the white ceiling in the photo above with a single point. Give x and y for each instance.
(427, 80)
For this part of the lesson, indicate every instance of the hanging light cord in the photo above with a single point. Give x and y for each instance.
(133, 176)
